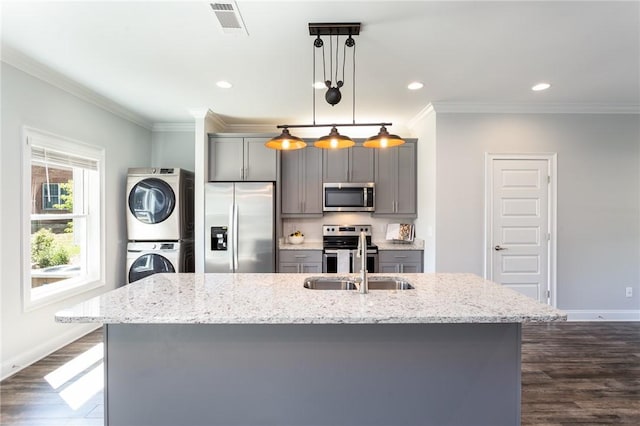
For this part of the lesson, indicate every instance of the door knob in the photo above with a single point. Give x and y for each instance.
(498, 248)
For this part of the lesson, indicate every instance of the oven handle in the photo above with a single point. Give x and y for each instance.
(332, 251)
(335, 251)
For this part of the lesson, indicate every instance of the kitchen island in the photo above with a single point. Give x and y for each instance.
(260, 349)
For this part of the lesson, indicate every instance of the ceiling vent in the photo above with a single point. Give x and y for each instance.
(229, 18)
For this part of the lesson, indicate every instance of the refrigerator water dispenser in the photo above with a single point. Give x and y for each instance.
(218, 238)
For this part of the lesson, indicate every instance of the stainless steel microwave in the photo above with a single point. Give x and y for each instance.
(348, 197)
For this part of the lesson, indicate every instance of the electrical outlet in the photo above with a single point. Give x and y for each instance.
(628, 292)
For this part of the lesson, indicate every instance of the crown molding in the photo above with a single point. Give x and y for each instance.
(424, 113)
(206, 114)
(200, 112)
(173, 127)
(525, 108)
(217, 121)
(252, 128)
(40, 71)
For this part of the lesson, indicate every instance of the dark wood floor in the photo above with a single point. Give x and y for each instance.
(585, 373)
(572, 374)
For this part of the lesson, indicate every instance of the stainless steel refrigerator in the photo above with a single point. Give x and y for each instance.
(239, 221)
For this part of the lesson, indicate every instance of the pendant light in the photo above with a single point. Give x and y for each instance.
(334, 140)
(383, 140)
(286, 141)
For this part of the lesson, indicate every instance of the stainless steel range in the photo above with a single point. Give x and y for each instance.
(340, 248)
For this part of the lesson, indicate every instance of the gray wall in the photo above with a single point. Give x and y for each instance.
(173, 149)
(28, 101)
(598, 197)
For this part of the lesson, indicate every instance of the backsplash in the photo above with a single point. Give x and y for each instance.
(312, 228)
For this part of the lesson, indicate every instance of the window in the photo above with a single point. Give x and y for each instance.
(51, 193)
(63, 237)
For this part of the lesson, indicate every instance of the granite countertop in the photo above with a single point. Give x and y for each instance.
(189, 298)
(417, 244)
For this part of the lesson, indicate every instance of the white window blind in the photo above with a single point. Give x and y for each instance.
(56, 158)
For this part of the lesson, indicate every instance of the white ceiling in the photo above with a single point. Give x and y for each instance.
(162, 59)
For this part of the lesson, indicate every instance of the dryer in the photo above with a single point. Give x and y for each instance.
(148, 258)
(160, 204)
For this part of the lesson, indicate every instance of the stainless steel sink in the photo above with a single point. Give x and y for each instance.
(389, 283)
(329, 283)
(345, 283)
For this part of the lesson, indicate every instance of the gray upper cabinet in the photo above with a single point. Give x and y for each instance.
(395, 178)
(355, 164)
(301, 183)
(241, 159)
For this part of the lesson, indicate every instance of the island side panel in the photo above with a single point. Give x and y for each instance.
(329, 374)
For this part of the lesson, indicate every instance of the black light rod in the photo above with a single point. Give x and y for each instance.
(297, 126)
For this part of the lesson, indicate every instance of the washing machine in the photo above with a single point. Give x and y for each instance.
(148, 258)
(160, 204)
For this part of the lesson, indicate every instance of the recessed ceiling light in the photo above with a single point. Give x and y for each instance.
(540, 86)
(415, 85)
(319, 85)
(224, 84)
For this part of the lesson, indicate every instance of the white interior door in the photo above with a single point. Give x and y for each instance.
(519, 235)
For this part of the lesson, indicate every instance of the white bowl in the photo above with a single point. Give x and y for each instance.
(296, 240)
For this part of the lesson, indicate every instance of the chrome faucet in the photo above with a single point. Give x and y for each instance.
(362, 253)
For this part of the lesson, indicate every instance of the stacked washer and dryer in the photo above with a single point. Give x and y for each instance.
(160, 206)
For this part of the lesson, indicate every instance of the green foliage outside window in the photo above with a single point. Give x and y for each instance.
(66, 196)
(46, 251)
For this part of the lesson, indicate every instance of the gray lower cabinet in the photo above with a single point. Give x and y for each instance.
(400, 261)
(300, 261)
(241, 159)
(301, 182)
(395, 178)
(355, 164)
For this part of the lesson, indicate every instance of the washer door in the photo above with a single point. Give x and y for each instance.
(152, 201)
(149, 264)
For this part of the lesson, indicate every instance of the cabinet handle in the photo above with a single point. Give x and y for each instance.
(300, 256)
(245, 174)
(400, 257)
(241, 173)
(401, 268)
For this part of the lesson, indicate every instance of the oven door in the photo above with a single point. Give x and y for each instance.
(330, 262)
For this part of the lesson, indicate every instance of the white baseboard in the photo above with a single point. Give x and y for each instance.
(603, 315)
(25, 359)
